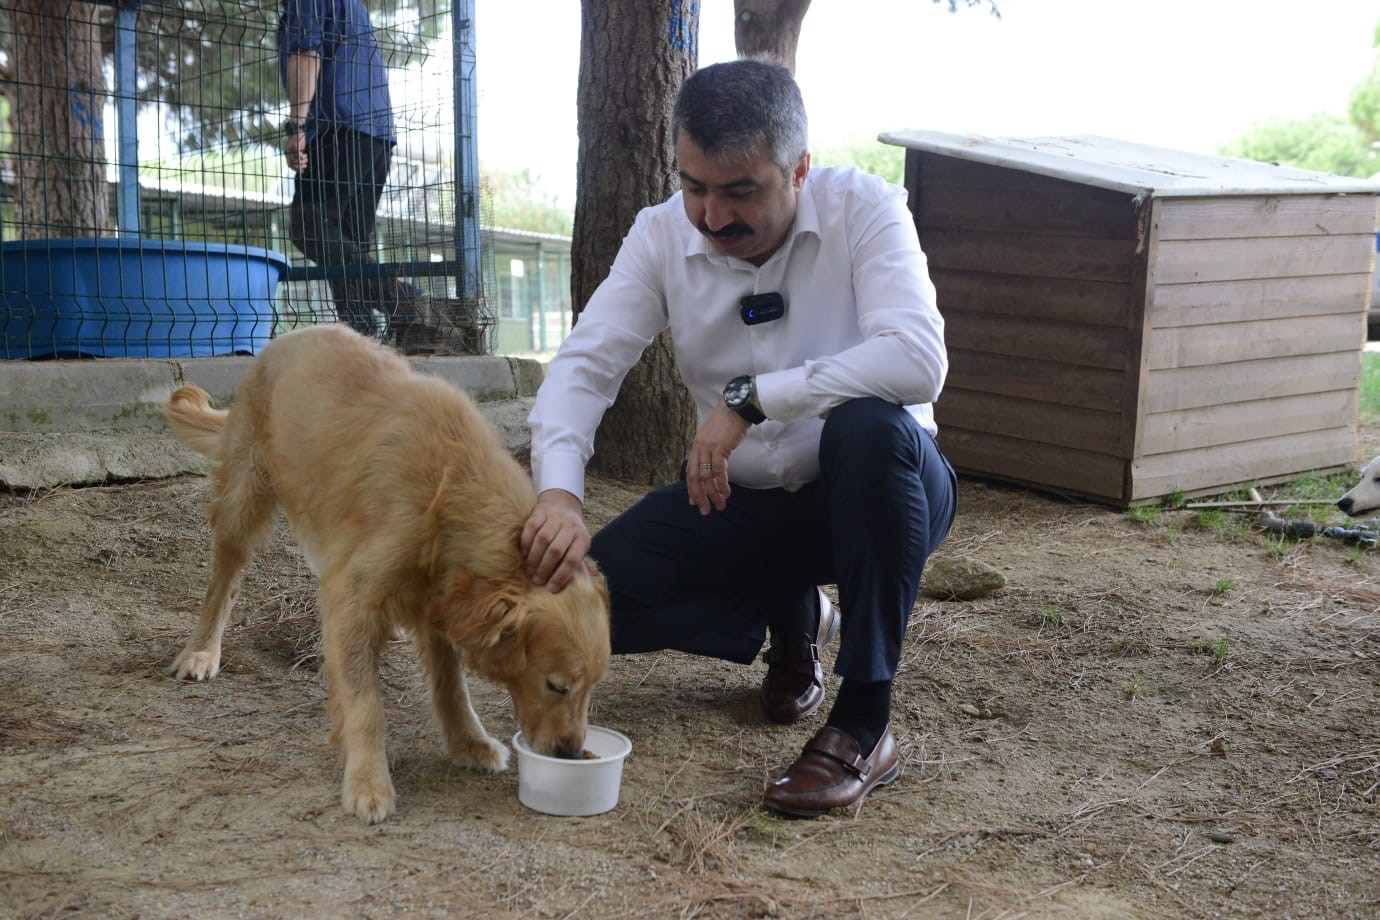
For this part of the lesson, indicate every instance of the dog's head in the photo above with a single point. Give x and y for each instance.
(548, 650)
(1364, 498)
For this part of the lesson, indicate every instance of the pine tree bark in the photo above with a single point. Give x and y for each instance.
(59, 95)
(634, 54)
(768, 27)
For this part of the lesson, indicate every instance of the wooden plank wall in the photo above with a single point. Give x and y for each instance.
(1041, 285)
(1256, 315)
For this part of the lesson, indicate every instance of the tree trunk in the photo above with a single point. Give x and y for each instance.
(634, 54)
(59, 104)
(768, 27)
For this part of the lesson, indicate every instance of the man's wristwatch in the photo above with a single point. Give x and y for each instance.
(738, 395)
(291, 127)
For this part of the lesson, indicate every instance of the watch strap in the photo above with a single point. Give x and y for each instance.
(750, 413)
(747, 409)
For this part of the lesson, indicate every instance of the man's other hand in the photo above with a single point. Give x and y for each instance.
(295, 149)
(706, 467)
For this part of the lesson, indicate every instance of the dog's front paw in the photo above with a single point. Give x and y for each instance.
(485, 754)
(196, 664)
(369, 797)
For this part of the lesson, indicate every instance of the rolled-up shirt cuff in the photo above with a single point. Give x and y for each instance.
(560, 470)
(784, 395)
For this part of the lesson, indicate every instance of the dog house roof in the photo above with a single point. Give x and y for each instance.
(1139, 169)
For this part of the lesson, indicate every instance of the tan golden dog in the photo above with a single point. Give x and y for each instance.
(409, 509)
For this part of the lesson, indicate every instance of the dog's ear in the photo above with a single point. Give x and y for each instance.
(600, 583)
(477, 612)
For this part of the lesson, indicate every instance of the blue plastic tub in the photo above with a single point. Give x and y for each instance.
(111, 298)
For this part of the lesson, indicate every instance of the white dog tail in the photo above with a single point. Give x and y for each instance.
(195, 423)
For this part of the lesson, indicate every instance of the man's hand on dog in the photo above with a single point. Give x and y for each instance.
(706, 469)
(555, 540)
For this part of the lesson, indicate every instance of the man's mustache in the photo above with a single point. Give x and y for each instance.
(733, 229)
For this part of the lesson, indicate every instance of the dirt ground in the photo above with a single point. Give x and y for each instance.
(1162, 717)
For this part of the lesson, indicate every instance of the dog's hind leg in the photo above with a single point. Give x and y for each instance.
(351, 654)
(241, 517)
(468, 743)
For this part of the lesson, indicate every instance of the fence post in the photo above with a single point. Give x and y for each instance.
(466, 155)
(127, 113)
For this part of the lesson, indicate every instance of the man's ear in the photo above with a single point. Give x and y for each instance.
(802, 169)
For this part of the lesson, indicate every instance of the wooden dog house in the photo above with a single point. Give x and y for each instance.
(1128, 322)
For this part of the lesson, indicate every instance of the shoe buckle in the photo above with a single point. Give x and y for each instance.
(854, 763)
(778, 653)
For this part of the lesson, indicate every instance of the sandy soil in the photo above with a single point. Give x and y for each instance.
(1172, 717)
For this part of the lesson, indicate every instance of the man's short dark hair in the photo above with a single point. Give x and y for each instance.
(734, 106)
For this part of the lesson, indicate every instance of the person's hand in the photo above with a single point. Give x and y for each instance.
(295, 149)
(706, 468)
(555, 540)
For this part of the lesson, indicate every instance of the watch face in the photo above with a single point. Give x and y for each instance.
(737, 392)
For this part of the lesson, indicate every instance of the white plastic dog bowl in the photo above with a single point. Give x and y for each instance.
(555, 786)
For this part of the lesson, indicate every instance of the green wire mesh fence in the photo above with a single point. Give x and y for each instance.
(147, 207)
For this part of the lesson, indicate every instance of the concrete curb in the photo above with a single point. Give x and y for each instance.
(86, 422)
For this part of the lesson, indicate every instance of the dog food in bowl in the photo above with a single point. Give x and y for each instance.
(588, 786)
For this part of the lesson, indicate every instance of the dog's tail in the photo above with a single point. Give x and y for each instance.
(195, 423)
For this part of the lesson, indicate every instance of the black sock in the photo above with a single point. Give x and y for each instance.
(862, 709)
(798, 616)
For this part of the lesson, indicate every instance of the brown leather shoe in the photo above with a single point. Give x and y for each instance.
(794, 685)
(832, 773)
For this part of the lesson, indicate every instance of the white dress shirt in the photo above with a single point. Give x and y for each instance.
(861, 320)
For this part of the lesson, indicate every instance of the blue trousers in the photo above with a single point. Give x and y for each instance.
(708, 584)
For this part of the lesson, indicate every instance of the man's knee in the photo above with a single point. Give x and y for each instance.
(869, 428)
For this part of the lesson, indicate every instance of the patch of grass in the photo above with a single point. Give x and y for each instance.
(763, 824)
(1313, 487)
(1218, 649)
(1051, 616)
(1236, 524)
(1228, 524)
(1210, 519)
(1156, 516)
(1144, 514)
(1223, 586)
(1135, 684)
(1277, 545)
(1370, 386)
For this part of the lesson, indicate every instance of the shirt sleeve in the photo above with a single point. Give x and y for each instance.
(303, 27)
(626, 312)
(902, 357)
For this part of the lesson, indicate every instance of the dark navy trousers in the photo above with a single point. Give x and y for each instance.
(708, 584)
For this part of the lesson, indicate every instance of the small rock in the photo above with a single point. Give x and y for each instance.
(960, 578)
(759, 905)
(1220, 837)
(969, 709)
